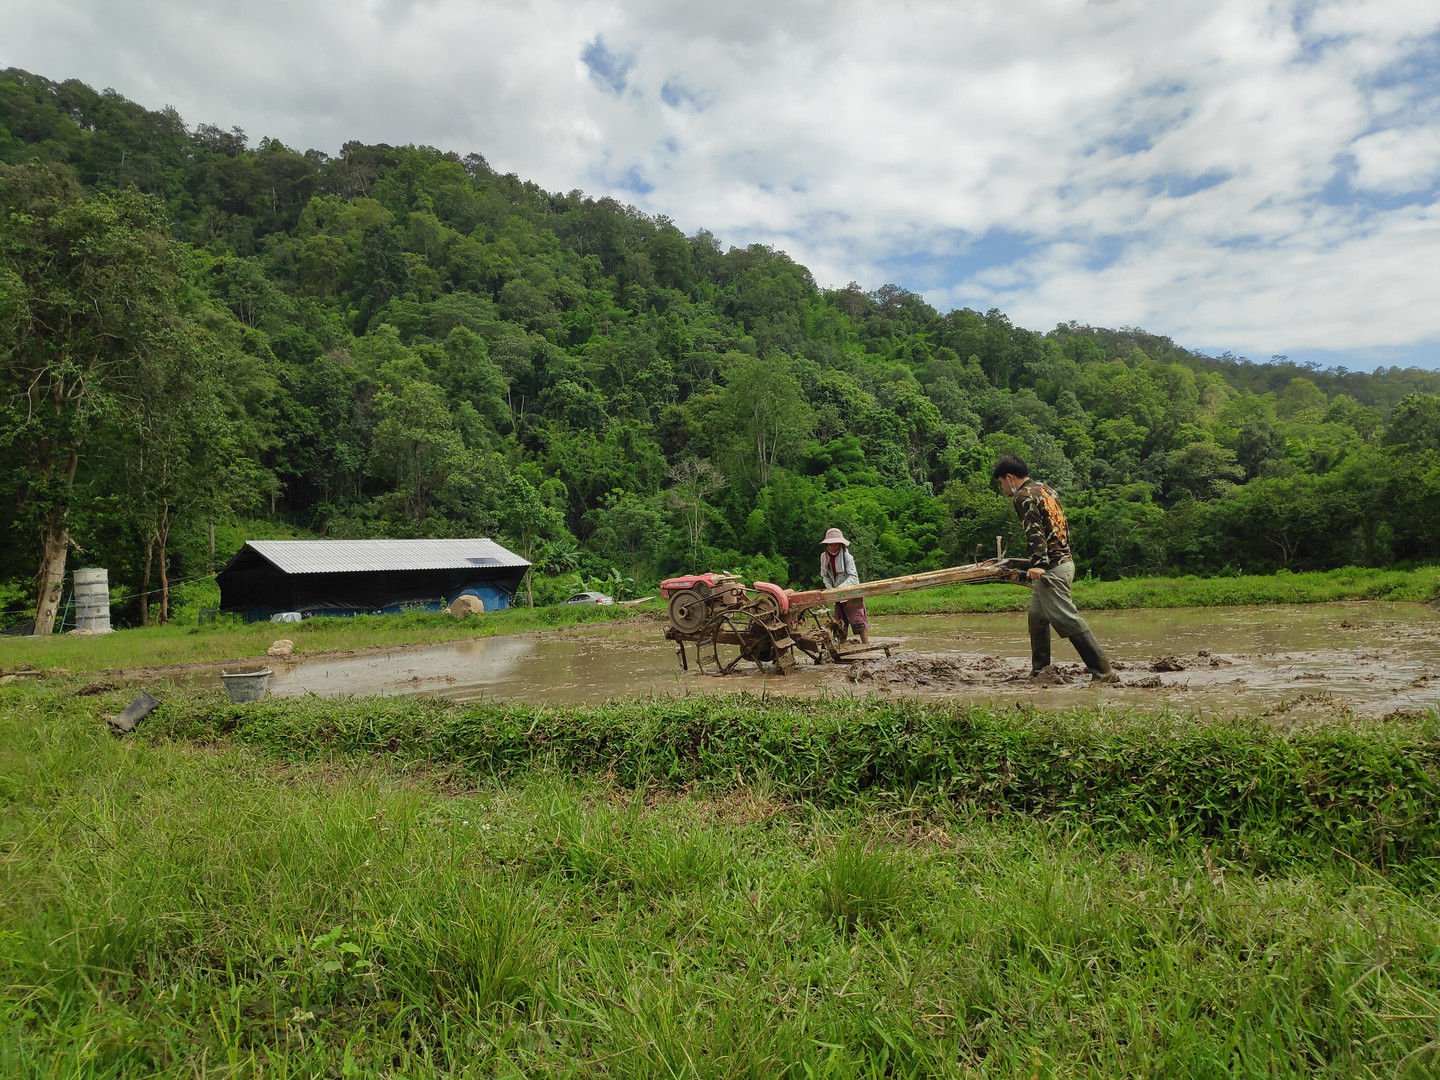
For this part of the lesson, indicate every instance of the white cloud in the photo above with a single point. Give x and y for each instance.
(1399, 159)
(1185, 166)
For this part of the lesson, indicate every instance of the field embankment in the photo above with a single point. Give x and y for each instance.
(1421, 585)
(709, 888)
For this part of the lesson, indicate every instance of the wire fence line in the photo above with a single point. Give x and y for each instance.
(122, 598)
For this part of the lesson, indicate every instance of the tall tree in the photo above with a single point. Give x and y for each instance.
(183, 457)
(416, 443)
(629, 530)
(531, 516)
(88, 303)
(693, 482)
(765, 410)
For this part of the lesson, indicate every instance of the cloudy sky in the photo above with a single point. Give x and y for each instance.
(1243, 175)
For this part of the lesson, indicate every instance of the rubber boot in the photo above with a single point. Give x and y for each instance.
(1039, 644)
(1096, 662)
(137, 710)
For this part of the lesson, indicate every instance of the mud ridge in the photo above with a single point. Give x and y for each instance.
(913, 670)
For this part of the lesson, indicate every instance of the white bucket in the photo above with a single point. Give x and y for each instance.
(245, 686)
(92, 600)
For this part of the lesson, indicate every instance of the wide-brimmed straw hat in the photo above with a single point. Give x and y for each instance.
(834, 536)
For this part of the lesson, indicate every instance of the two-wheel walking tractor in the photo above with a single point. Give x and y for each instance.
(728, 621)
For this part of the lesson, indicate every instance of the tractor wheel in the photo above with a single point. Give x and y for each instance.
(763, 606)
(725, 648)
(736, 637)
(687, 612)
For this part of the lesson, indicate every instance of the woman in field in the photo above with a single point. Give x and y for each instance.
(837, 568)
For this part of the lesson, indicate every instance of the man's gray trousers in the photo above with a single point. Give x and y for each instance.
(1050, 601)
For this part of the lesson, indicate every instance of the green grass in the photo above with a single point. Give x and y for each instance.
(1420, 585)
(1364, 793)
(189, 903)
(859, 886)
(175, 644)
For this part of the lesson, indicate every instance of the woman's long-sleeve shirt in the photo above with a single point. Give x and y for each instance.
(838, 570)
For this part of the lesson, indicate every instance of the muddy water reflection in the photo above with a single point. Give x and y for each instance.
(1300, 660)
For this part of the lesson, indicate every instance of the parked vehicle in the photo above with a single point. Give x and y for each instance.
(590, 598)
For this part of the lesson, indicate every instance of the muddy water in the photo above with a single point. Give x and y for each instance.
(1307, 660)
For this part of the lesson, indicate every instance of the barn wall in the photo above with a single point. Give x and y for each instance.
(376, 592)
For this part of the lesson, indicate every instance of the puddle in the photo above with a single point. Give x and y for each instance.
(1309, 660)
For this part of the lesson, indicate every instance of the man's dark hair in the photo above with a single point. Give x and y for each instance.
(1010, 465)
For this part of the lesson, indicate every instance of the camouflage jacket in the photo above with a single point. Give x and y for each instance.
(1046, 533)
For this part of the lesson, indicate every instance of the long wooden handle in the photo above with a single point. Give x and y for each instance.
(990, 571)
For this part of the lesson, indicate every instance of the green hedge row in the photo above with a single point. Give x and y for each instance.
(1365, 793)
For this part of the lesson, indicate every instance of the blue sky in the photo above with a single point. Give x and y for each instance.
(1258, 177)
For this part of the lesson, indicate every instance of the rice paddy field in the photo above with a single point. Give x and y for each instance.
(184, 643)
(710, 887)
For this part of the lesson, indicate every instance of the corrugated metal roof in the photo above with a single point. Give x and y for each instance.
(348, 556)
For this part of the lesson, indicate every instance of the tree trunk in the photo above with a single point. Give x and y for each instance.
(55, 547)
(164, 589)
(162, 538)
(529, 544)
(145, 582)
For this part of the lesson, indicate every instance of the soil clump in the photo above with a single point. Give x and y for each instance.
(908, 670)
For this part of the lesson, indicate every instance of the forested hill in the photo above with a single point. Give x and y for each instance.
(399, 341)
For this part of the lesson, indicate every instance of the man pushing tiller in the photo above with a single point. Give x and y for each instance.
(1051, 573)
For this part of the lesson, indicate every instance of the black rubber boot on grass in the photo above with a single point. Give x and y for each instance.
(1096, 662)
(1039, 644)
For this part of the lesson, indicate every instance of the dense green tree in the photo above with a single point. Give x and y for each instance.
(1293, 515)
(416, 445)
(1415, 423)
(629, 532)
(89, 305)
(531, 517)
(1200, 470)
(764, 414)
(383, 271)
(179, 458)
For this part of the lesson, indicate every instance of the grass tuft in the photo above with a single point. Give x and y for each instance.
(859, 887)
(609, 848)
(477, 948)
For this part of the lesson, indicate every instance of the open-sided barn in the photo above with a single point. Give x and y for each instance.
(353, 577)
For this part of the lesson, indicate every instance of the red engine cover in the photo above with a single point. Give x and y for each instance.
(670, 586)
(781, 597)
